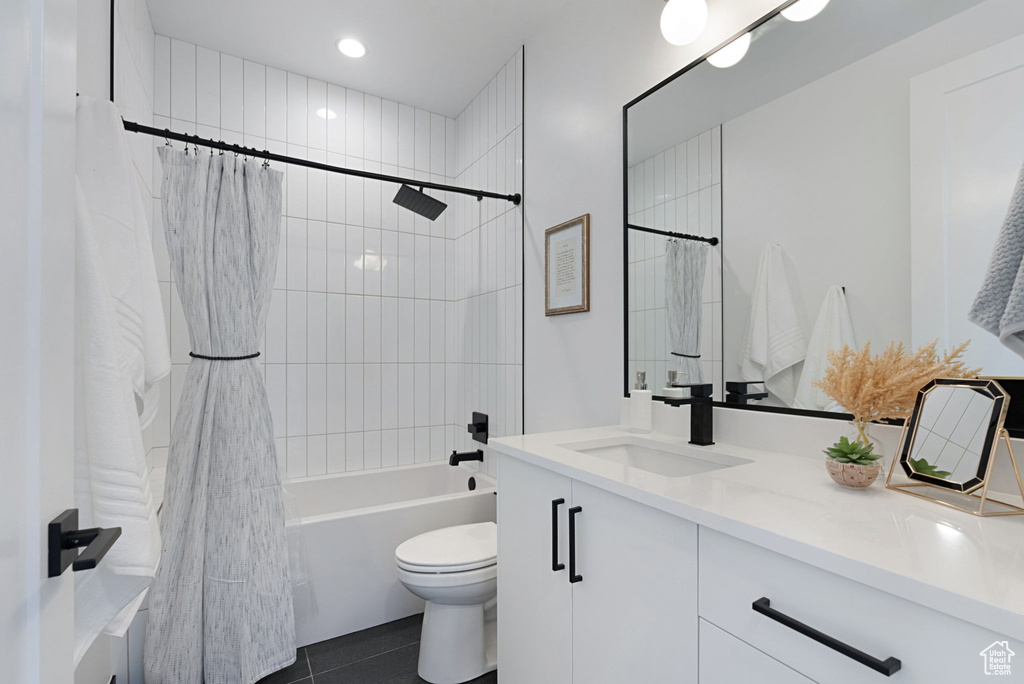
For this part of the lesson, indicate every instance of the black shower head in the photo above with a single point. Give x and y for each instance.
(419, 202)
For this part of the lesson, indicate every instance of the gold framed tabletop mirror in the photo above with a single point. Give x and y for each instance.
(950, 444)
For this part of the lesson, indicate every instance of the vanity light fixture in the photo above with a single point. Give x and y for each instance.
(731, 54)
(804, 10)
(682, 21)
(350, 47)
(325, 113)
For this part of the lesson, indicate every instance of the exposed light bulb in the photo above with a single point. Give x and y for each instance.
(325, 113)
(350, 47)
(682, 21)
(731, 54)
(804, 10)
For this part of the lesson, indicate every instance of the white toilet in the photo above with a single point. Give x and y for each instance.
(455, 570)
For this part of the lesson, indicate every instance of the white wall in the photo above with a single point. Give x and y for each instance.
(581, 68)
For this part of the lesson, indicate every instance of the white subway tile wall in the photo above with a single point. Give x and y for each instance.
(678, 190)
(385, 330)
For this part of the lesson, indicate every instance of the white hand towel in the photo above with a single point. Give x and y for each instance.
(113, 198)
(832, 330)
(999, 305)
(120, 353)
(774, 341)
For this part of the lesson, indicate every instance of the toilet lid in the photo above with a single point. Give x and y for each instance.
(450, 549)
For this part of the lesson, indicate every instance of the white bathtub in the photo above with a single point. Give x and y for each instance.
(351, 524)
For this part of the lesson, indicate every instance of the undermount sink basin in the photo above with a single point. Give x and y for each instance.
(670, 460)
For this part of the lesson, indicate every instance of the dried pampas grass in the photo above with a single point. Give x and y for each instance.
(886, 386)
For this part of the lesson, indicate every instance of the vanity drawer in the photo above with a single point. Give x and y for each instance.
(931, 647)
(724, 659)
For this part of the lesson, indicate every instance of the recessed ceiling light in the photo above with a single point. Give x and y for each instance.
(325, 113)
(804, 10)
(350, 47)
(731, 54)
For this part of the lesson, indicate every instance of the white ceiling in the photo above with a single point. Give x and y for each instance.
(432, 54)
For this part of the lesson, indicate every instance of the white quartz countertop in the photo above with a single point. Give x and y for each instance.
(953, 562)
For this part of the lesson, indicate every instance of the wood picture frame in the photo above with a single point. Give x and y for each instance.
(567, 267)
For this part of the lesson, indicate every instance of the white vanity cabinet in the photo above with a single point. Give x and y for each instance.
(630, 614)
(746, 574)
(535, 603)
(930, 646)
(724, 659)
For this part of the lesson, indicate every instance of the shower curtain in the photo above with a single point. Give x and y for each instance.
(221, 604)
(685, 264)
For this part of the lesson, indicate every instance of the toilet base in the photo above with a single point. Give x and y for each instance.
(454, 644)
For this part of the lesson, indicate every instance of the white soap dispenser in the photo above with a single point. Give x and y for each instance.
(640, 405)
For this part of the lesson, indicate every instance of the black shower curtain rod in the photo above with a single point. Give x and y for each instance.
(681, 236)
(270, 156)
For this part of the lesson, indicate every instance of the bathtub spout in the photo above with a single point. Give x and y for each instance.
(456, 458)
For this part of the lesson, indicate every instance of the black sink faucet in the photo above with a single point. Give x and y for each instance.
(702, 426)
(456, 458)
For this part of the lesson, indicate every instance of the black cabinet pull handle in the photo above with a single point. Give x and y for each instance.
(573, 577)
(64, 539)
(888, 667)
(555, 565)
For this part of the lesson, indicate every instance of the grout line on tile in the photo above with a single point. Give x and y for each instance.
(378, 655)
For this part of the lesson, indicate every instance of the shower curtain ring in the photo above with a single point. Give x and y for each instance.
(221, 149)
(167, 137)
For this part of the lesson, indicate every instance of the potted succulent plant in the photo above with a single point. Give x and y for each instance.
(852, 464)
(876, 387)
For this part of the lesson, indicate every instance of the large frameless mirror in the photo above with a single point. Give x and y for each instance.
(844, 183)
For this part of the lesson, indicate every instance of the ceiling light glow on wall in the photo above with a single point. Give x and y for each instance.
(350, 47)
(804, 10)
(325, 113)
(731, 54)
(682, 21)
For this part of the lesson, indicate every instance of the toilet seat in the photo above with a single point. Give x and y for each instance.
(447, 579)
(450, 550)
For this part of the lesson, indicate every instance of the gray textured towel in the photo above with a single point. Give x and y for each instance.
(999, 306)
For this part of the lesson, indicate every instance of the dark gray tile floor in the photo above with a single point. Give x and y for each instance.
(385, 654)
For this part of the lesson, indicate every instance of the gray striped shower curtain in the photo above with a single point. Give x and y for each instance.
(221, 604)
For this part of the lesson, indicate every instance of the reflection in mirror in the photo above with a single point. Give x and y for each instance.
(857, 169)
(673, 264)
(953, 432)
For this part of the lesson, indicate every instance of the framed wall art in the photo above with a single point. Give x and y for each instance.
(567, 267)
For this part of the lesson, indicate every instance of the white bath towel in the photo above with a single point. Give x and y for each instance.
(999, 305)
(120, 353)
(832, 330)
(774, 341)
(114, 200)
